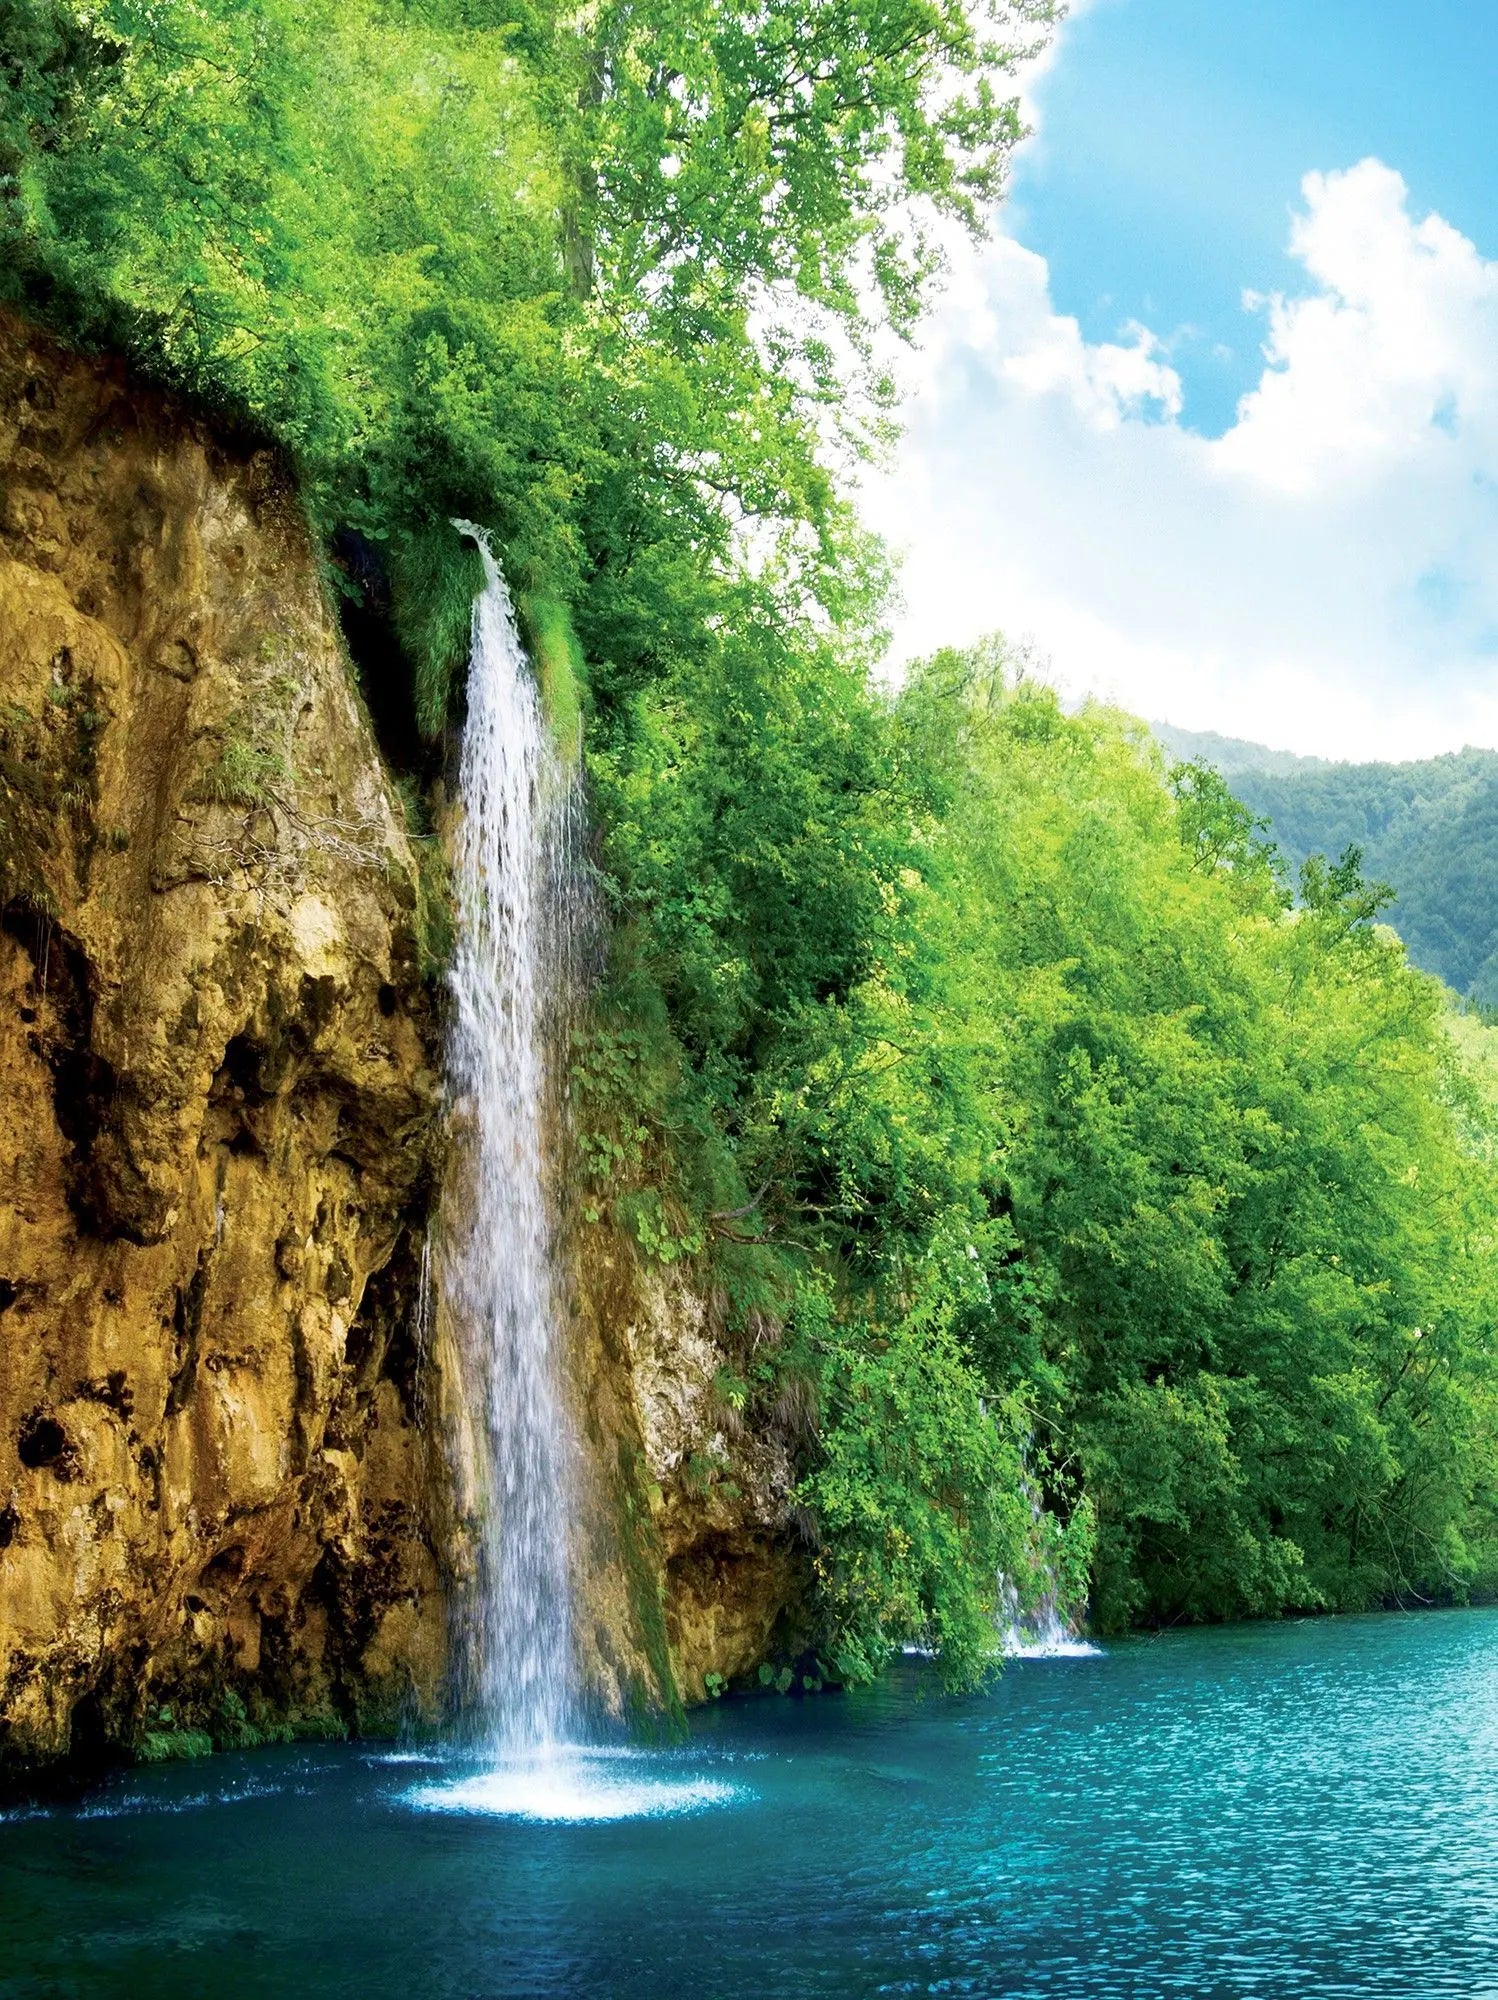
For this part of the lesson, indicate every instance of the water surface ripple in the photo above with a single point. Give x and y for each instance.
(1279, 1811)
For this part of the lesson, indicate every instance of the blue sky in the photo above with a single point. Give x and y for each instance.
(1213, 424)
(1174, 135)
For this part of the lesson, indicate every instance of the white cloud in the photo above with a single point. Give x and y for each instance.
(999, 308)
(1324, 576)
(1398, 338)
(1107, 382)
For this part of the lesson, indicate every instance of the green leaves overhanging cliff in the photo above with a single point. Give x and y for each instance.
(604, 279)
(1033, 1144)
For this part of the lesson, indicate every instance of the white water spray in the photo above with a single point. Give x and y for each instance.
(498, 1277)
(1039, 1632)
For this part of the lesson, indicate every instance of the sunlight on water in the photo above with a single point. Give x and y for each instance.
(1275, 1811)
(130, 1803)
(575, 1785)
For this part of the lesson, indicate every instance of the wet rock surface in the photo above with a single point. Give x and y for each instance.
(693, 1564)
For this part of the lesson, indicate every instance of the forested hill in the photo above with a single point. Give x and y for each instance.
(1231, 754)
(1429, 829)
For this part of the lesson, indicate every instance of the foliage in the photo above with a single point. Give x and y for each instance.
(1235, 1149)
(245, 770)
(1034, 1147)
(1035, 1010)
(919, 1489)
(168, 1746)
(1428, 829)
(557, 658)
(436, 576)
(599, 279)
(223, 1721)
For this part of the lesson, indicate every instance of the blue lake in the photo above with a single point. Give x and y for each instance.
(1298, 1809)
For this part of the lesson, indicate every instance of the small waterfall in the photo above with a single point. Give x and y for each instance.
(496, 1256)
(1039, 1631)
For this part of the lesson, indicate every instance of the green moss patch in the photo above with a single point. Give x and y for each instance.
(558, 661)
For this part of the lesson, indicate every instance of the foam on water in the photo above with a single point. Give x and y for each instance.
(1061, 1646)
(575, 1786)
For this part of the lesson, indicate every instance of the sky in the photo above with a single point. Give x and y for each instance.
(1212, 423)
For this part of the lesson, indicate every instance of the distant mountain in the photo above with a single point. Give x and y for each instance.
(1430, 830)
(1231, 754)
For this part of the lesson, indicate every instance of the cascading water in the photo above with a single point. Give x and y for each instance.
(498, 1279)
(519, 919)
(1039, 1631)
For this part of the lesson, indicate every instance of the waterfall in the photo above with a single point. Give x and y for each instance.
(1039, 1631)
(499, 1283)
(521, 921)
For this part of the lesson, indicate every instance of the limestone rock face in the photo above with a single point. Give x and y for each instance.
(691, 1562)
(217, 1103)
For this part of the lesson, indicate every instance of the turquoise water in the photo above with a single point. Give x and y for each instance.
(1260, 1811)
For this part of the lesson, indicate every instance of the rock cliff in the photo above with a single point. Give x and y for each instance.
(224, 1508)
(217, 1103)
(690, 1564)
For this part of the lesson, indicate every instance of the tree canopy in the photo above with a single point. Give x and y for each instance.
(604, 279)
(1175, 1176)
(1428, 829)
(1083, 1200)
